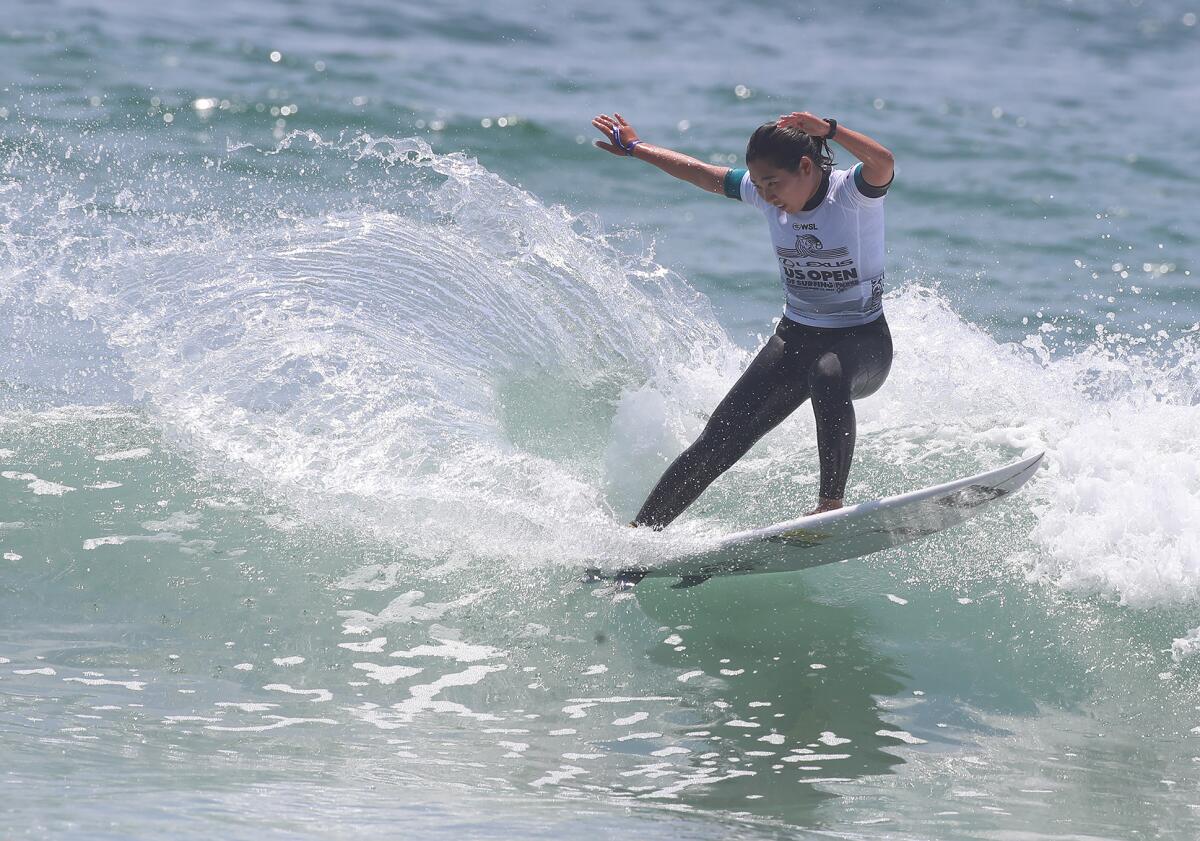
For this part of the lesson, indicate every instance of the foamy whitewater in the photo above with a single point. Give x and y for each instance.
(310, 423)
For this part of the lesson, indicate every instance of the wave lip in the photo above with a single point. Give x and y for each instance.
(355, 361)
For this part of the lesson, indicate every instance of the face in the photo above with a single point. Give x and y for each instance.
(789, 190)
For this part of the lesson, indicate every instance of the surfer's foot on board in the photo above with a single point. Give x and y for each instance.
(824, 505)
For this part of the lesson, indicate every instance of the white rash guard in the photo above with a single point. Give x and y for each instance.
(831, 254)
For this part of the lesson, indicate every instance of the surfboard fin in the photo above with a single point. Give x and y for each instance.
(629, 577)
(624, 578)
(689, 581)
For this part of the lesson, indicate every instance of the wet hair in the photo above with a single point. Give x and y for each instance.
(783, 147)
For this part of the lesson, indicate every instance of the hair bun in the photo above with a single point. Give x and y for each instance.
(785, 146)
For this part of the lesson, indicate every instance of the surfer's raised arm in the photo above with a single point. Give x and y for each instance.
(878, 162)
(623, 140)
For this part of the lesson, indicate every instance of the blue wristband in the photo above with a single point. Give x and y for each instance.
(616, 136)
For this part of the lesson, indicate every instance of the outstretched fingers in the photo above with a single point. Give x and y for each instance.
(609, 127)
(605, 125)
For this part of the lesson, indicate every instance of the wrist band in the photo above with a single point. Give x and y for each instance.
(628, 147)
(832, 128)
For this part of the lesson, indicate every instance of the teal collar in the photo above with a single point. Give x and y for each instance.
(819, 195)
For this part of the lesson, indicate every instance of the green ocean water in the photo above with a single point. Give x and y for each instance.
(333, 352)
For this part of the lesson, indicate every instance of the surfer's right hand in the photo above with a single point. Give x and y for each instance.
(615, 128)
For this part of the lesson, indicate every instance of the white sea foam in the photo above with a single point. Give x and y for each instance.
(832, 739)
(125, 455)
(277, 722)
(423, 695)
(316, 695)
(452, 650)
(901, 735)
(1121, 482)
(121, 539)
(133, 685)
(373, 646)
(40, 487)
(374, 386)
(1186, 646)
(405, 610)
(174, 522)
(577, 707)
(634, 718)
(387, 675)
(247, 707)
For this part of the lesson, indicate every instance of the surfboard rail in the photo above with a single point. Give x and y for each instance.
(843, 534)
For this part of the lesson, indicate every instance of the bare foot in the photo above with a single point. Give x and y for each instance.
(824, 505)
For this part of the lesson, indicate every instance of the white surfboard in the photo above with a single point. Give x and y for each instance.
(843, 534)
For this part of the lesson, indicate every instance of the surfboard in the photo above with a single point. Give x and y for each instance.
(840, 535)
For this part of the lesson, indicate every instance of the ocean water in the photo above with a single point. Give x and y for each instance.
(332, 352)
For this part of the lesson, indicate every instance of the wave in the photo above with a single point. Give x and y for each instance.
(378, 333)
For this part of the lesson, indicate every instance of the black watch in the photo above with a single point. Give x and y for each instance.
(832, 128)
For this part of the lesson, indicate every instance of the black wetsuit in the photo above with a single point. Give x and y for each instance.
(833, 366)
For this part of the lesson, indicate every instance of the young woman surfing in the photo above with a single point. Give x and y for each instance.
(832, 345)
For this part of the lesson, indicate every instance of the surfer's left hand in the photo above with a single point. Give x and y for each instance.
(606, 125)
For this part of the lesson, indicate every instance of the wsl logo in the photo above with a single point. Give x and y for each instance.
(808, 245)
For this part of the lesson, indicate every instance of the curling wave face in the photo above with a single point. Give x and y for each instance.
(357, 359)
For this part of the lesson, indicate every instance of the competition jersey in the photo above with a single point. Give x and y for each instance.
(830, 256)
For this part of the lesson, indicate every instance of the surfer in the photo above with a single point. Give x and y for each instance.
(832, 344)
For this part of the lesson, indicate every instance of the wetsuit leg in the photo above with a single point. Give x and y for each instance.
(770, 389)
(854, 366)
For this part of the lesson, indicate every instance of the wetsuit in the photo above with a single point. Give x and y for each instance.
(832, 345)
